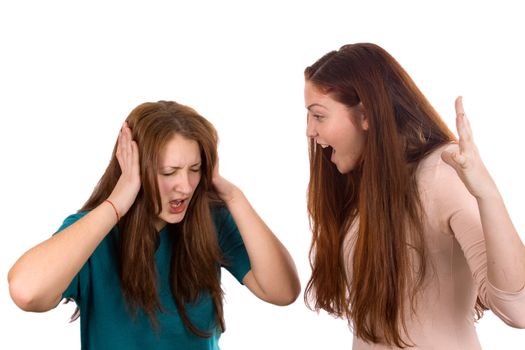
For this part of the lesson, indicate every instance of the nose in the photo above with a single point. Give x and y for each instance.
(310, 128)
(183, 185)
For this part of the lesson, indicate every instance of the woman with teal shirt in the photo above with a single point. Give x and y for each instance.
(142, 257)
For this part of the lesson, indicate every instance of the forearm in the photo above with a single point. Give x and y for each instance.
(38, 279)
(505, 250)
(272, 266)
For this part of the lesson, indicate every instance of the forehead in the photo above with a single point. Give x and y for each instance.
(315, 97)
(180, 151)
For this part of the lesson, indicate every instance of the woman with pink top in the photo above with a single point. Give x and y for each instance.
(411, 238)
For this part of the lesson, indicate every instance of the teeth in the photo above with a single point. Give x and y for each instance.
(176, 203)
(322, 145)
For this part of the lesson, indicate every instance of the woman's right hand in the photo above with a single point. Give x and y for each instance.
(128, 185)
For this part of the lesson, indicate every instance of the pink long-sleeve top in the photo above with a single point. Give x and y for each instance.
(444, 316)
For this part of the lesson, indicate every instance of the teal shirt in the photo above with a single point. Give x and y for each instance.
(105, 322)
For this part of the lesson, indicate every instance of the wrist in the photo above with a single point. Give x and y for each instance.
(233, 195)
(117, 214)
(488, 197)
(488, 192)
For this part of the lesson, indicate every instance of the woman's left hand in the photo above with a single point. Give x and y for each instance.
(467, 162)
(225, 188)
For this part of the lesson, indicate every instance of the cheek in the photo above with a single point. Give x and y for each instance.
(340, 136)
(194, 181)
(353, 141)
(359, 144)
(338, 132)
(164, 186)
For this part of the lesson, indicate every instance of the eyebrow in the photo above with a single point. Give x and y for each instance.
(178, 167)
(315, 105)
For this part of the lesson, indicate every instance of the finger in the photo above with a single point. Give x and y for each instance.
(459, 106)
(123, 141)
(135, 154)
(120, 143)
(454, 159)
(128, 140)
(447, 158)
(460, 159)
(466, 143)
(460, 117)
(124, 148)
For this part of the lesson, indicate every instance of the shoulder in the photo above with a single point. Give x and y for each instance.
(442, 190)
(433, 159)
(220, 212)
(222, 219)
(432, 171)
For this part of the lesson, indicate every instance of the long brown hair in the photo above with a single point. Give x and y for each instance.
(380, 196)
(196, 256)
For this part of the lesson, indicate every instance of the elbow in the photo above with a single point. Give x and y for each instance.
(24, 298)
(288, 300)
(20, 296)
(518, 323)
(289, 296)
(295, 291)
(514, 318)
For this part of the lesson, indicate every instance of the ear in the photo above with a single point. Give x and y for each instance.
(364, 122)
(363, 119)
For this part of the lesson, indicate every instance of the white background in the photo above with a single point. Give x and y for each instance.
(70, 72)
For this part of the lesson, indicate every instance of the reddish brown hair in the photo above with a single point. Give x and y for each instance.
(380, 195)
(196, 256)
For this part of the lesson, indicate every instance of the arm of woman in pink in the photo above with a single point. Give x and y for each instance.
(38, 279)
(505, 250)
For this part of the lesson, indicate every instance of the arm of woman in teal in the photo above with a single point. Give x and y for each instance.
(505, 250)
(273, 276)
(40, 276)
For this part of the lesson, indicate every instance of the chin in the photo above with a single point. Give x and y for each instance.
(348, 166)
(343, 169)
(174, 218)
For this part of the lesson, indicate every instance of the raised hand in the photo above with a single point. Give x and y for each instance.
(225, 188)
(128, 184)
(467, 161)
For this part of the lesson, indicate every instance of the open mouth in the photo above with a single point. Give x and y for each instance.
(328, 150)
(177, 206)
(176, 203)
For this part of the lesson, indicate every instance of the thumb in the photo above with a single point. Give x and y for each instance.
(448, 158)
(453, 159)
